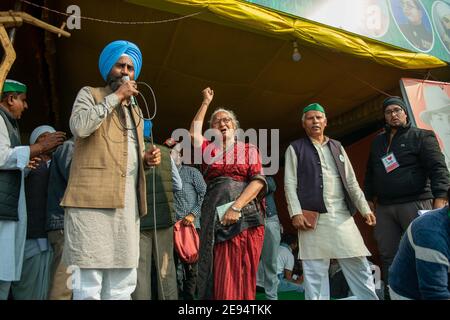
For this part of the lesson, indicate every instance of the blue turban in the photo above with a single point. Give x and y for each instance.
(113, 51)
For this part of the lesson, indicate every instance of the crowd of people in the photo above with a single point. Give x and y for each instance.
(92, 217)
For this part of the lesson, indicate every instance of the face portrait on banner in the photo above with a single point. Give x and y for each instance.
(414, 23)
(437, 114)
(430, 104)
(441, 20)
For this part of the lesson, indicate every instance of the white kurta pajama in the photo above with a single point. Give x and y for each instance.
(336, 235)
(12, 233)
(104, 243)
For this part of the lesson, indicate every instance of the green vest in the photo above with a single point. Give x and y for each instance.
(10, 180)
(164, 203)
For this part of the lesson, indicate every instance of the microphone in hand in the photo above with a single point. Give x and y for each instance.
(132, 98)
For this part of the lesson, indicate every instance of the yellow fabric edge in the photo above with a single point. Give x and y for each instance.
(260, 18)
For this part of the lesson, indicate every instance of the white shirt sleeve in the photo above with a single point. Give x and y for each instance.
(87, 116)
(290, 262)
(11, 158)
(356, 194)
(290, 182)
(177, 182)
(285, 260)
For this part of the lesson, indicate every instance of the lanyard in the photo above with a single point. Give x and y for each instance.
(389, 142)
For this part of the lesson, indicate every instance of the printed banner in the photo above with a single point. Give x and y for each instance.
(415, 25)
(430, 106)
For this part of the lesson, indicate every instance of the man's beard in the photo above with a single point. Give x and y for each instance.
(114, 82)
(398, 126)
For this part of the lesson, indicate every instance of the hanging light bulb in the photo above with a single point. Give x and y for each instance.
(296, 56)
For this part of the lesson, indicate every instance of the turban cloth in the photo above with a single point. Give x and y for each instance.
(112, 53)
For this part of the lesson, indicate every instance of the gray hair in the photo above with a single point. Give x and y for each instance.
(229, 112)
(304, 116)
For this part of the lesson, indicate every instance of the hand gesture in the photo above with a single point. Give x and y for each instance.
(189, 219)
(370, 218)
(127, 90)
(50, 141)
(33, 163)
(230, 217)
(439, 203)
(152, 157)
(299, 222)
(208, 95)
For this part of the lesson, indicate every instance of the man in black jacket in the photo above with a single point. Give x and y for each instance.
(59, 175)
(406, 172)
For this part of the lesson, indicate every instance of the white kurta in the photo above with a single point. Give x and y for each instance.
(13, 233)
(336, 235)
(105, 238)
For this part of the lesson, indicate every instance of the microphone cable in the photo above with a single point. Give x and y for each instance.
(134, 105)
(135, 109)
(145, 101)
(158, 259)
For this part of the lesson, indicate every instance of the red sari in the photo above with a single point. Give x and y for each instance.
(236, 260)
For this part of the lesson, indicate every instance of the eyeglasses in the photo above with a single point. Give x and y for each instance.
(225, 121)
(392, 111)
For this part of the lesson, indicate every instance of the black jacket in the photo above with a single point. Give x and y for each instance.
(59, 175)
(163, 206)
(422, 174)
(36, 184)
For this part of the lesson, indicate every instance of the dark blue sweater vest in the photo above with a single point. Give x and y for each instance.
(309, 173)
(10, 180)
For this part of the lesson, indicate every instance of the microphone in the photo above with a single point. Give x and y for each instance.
(133, 98)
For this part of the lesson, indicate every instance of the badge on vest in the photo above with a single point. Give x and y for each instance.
(341, 157)
(390, 162)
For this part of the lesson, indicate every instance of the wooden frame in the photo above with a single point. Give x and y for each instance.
(16, 19)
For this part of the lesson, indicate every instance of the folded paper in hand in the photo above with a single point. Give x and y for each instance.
(222, 209)
(312, 217)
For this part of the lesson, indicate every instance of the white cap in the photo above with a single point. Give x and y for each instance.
(38, 131)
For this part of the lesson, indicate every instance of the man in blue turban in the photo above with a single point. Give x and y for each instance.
(106, 191)
(116, 49)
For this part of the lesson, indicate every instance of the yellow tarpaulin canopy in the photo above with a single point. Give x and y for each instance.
(244, 52)
(256, 17)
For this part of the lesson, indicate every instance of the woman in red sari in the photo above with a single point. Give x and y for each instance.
(229, 248)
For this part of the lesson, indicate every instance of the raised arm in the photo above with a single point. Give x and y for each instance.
(197, 123)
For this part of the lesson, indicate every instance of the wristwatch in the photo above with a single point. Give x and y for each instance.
(236, 209)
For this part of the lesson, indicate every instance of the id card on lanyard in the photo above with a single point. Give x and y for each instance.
(390, 162)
